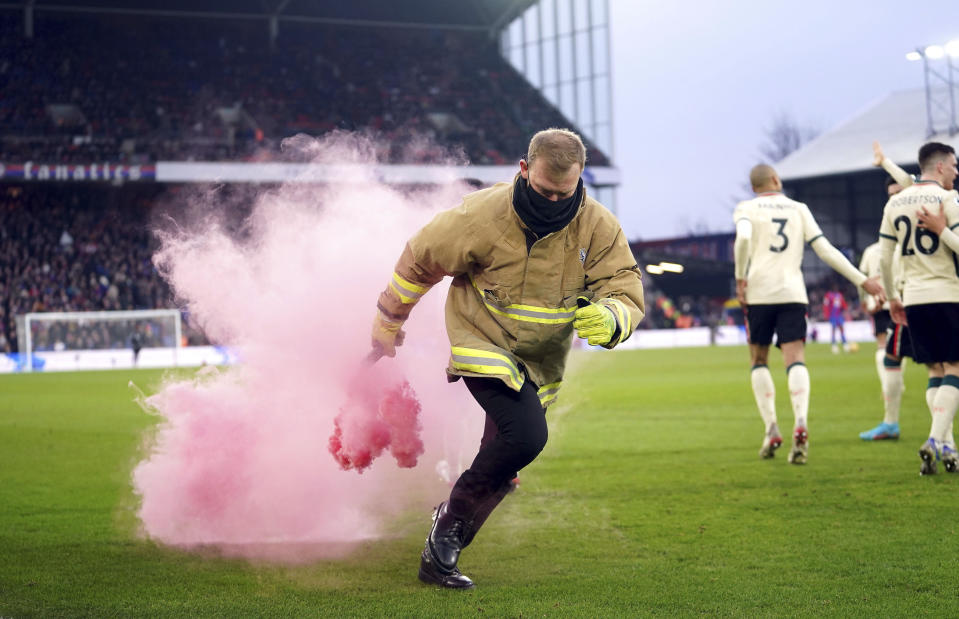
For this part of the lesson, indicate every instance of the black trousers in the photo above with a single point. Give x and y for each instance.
(514, 435)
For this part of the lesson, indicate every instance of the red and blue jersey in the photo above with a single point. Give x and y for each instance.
(833, 305)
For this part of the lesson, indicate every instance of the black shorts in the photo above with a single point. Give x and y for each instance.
(898, 341)
(786, 320)
(934, 328)
(881, 321)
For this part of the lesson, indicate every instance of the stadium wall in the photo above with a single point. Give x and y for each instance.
(196, 356)
(118, 359)
(241, 172)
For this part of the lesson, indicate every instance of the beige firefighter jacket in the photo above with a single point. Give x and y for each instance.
(509, 310)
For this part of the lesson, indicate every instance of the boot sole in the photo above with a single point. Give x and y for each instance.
(432, 579)
(928, 466)
(769, 451)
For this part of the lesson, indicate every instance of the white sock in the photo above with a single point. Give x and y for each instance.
(797, 376)
(931, 389)
(944, 408)
(764, 391)
(893, 386)
(881, 368)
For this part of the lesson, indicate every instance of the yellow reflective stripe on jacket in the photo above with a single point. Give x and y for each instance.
(406, 290)
(485, 362)
(547, 393)
(529, 313)
(622, 316)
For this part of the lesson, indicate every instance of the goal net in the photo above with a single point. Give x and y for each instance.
(99, 340)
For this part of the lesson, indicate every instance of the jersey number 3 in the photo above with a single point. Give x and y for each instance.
(782, 233)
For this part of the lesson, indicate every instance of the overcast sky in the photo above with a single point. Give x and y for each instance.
(695, 84)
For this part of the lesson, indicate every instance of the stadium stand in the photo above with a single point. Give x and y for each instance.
(135, 89)
(132, 89)
(67, 248)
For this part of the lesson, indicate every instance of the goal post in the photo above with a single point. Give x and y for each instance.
(105, 329)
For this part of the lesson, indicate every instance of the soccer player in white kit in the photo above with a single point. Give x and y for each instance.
(899, 344)
(771, 233)
(894, 347)
(921, 219)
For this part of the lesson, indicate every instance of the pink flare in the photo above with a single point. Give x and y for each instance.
(365, 427)
(400, 410)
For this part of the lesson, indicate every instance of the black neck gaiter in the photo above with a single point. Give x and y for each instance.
(540, 214)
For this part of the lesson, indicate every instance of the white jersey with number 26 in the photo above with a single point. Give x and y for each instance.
(781, 228)
(930, 269)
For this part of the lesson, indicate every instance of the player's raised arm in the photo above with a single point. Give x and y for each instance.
(903, 178)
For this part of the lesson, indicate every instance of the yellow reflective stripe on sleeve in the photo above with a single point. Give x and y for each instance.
(485, 362)
(547, 393)
(407, 291)
(529, 313)
(622, 316)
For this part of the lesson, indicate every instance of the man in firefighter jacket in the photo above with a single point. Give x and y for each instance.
(531, 261)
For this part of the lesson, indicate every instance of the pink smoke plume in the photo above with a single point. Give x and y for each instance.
(240, 459)
(377, 418)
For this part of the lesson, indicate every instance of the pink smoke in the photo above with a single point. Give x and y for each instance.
(374, 419)
(240, 459)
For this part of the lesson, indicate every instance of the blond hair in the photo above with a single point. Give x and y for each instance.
(559, 149)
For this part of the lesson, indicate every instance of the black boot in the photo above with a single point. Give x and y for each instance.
(443, 545)
(484, 510)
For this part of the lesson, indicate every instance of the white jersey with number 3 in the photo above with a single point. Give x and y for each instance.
(781, 228)
(930, 269)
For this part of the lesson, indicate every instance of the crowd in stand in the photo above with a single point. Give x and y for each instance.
(173, 89)
(64, 249)
(121, 89)
(176, 89)
(664, 312)
(88, 248)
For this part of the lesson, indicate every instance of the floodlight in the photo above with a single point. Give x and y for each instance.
(672, 267)
(940, 86)
(655, 269)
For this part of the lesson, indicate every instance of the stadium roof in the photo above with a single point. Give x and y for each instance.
(490, 15)
(898, 121)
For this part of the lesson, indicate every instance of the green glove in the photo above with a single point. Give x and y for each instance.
(594, 323)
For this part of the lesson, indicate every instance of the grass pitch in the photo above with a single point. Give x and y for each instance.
(649, 499)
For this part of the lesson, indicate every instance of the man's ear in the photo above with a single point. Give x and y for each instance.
(524, 169)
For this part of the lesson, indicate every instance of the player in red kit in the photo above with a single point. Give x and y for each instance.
(834, 310)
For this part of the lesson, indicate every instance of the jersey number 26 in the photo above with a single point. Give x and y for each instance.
(927, 248)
